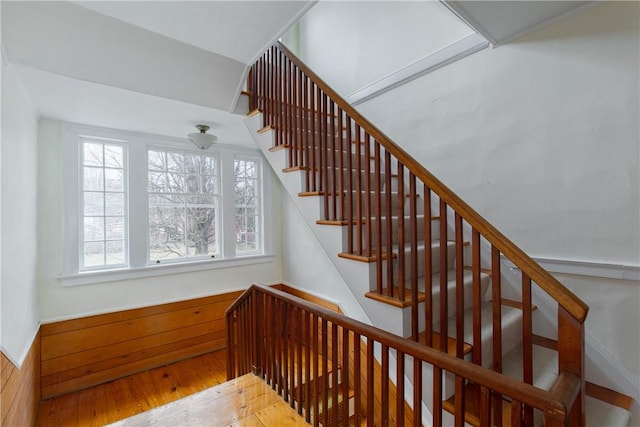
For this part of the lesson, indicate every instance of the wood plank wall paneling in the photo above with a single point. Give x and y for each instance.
(308, 297)
(20, 389)
(84, 352)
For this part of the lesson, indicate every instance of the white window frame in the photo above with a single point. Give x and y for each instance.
(261, 225)
(219, 225)
(107, 141)
(139, 265)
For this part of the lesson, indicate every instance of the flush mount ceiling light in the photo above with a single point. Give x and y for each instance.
(202, 139)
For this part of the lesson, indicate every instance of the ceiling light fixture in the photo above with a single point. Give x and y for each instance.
(202, 139)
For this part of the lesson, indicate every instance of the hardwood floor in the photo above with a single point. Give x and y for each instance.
(243, 401)
(122, 398)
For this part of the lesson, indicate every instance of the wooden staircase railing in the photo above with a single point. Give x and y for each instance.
(397, 215)
(291, 343)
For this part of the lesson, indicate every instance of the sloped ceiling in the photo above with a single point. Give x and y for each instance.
(502, 21)
(150, 66)
(164, 66)
(185, 56)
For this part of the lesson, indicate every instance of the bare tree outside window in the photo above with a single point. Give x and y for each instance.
(183, 203)
(247, 206)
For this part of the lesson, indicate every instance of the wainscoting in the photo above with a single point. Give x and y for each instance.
(20, 389)
(84, 352)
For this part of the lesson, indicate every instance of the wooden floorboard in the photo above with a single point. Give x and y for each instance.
(246, 400)
(125, 397)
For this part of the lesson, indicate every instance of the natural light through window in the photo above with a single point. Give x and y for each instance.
(247, 204)
(104, 210)
(141, 205)
(183, 205)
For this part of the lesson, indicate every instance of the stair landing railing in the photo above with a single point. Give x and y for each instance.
(334, 370)
(379, 193)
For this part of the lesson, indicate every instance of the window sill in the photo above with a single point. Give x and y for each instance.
(105, 276)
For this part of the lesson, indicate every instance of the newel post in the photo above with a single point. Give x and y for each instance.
(571, 359)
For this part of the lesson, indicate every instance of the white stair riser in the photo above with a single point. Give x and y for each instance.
(485, 282)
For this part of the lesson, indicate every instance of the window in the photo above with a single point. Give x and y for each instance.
(104, 216)
(247, 204)
(183, 205)
(140, 205)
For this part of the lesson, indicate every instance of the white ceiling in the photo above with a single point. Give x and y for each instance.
(502, 21)
(63, 98)
(163, 66)
(236, 29)
(151, 66)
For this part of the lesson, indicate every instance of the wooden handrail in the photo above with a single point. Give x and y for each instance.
(555, 403)
(564, 297)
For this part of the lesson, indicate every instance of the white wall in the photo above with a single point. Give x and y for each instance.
(353, 44)
(613, 318)
(19, 224)
(59, 302)
(540, 136)
(307, 265)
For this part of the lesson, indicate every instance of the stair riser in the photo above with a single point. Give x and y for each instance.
(435, 258)
(511, 331)
(485, 282)
(396, 207)
(435, 264)
(435, 231)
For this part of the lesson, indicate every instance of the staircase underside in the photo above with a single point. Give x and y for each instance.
(243, 401)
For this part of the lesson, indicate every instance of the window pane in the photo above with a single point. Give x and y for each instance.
(158, 182)
(93, 203)
(209, 184)
(175, 162)
(93, 254)
(92, 154)
(114, 179)
(115, 252)
(93, 228)
(113, 156)
(177, 183)
(201, 234)
(209, 166)
(114, 228)
(182, 204)
(114, 204)
(156, 161)
(166, 233)
(93, 179)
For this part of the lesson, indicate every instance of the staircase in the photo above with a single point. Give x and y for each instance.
(421, 262)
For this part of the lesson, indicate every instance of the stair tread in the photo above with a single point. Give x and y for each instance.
(451, 343)
(420, 247)
(408, 297)
(511, 328)
(599, 413)
(472, 406)
(545, 365)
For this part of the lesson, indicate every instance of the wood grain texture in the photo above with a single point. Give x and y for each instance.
(308, 297)
(125, 397)
(20, 393)
(81, 353)
(246, 400)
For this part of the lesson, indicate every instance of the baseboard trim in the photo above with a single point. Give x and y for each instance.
(585, 268)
